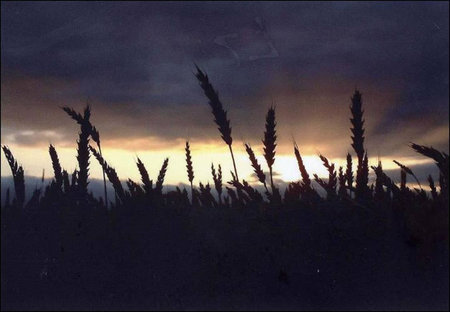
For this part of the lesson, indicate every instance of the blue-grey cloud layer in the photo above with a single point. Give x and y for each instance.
(136, 59)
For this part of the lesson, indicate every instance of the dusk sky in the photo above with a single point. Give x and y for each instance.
(134, 63)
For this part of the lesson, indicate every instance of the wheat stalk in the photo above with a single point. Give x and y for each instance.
(329, 186)
(148, 184)
(349, 173)
(357, 121)
(56, 166)
(408, 171)
(135, 189)
(162, 174)
(111, 174)
(358, 125)
(189, 167)
(18, 175)
(74, 115)
(83, 145)
(95, 135)
(220, 115)
(301, 166)
(362, 178)
(379, 191)
(270, 142)
(442, 162)
(256, 166)
(217, 178)
(342, 188)
(385, 180)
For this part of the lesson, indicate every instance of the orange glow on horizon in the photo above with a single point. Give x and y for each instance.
(203, 154)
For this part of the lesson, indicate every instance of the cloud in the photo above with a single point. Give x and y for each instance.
(134, 62)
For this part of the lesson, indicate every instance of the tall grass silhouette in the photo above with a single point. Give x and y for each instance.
(330, 185)
(220, 115)
(83, 145)
(270, 143)
(56, 167)
(18, 176)
(362, 172)
(190, 169)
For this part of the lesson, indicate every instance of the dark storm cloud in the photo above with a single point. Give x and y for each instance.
(135, 61)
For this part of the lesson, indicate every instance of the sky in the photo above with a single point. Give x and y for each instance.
(134, 63)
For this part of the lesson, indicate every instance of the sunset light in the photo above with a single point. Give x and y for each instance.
(224, 155)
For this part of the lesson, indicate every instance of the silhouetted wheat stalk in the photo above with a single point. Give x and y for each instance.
(408, 171)
(270, 142)
(217, 178)
(358, 145)
(358, 125)
(342, 188)
(162, 174)
(56, 166)
(111, 174)
(385, 180)
(330, 186)
(379, 191)
(18, 176)
(135, 189)
(95, 135)
(364, 177)
(242, 197)
(190, 169)
(256, 166)
(301, 166)
(148, 184)
(220, 115)
(83, 145)
(442, 162)
(349, 174)
(254, 195)
(206, 198)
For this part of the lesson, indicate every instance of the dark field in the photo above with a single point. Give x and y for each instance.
(330, 256)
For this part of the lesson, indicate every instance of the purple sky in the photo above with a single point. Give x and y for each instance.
(134, 62)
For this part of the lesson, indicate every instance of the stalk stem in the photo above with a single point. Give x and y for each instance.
(234, 163)
(104, 179)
